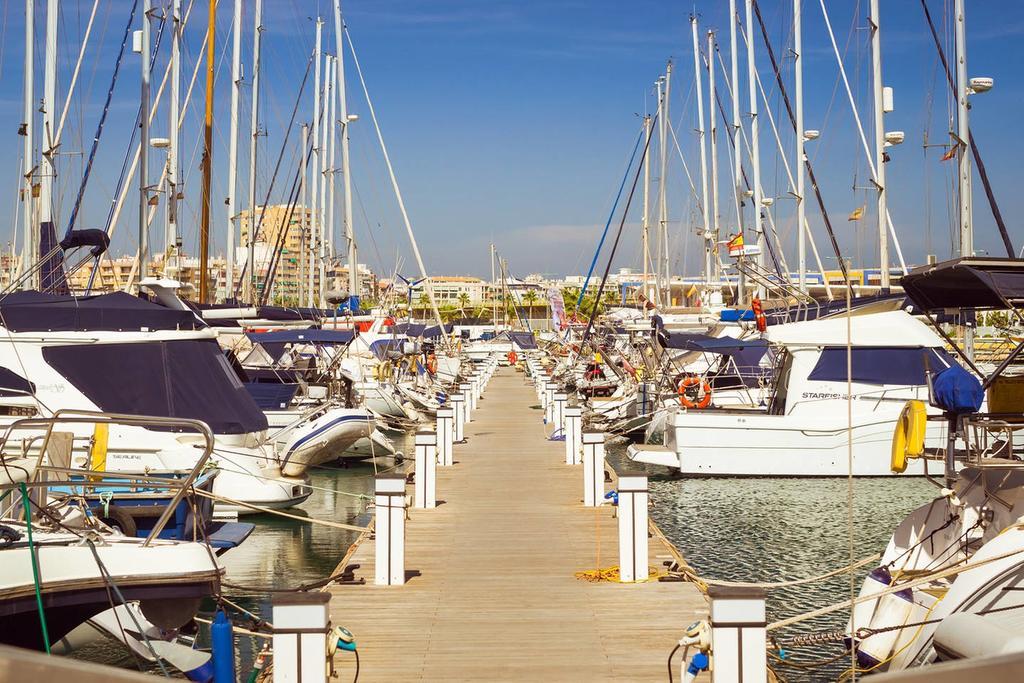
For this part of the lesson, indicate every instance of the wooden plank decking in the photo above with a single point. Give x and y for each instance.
(495, 596)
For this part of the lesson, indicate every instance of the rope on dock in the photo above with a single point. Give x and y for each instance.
(612, 574)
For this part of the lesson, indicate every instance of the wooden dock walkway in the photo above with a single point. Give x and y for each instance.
(494, 593)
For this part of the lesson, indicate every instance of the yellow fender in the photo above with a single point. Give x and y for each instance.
(98, 448)
(908, 437)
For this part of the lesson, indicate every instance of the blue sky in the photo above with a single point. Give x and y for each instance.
(512, 122)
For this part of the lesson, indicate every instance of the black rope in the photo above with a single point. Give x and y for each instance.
(253, 224)
(618, 236)
(807, 161)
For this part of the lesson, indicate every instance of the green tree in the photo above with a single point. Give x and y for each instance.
(529, 299)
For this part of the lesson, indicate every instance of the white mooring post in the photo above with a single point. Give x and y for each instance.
(474, 383)
(573, 435)
(593, 468)
(632, 527)
(558, 414)
(549, 402)
(738, 621)
(467, 398)
(389, 530)
(445, 435)
(302, 624)
(459, 418)
(426, 470)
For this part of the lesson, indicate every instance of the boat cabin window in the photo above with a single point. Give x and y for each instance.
(186, 378)
(892, 365)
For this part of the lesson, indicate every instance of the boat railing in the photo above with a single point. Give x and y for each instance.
(990, 439)
(72, 417)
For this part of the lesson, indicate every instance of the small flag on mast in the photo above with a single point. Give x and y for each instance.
(857, 214)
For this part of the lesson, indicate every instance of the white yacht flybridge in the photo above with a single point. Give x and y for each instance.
(117, 353)
(815, 413)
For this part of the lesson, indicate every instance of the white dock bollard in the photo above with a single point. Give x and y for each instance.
(593, 468)
(301, 628)
(426, 470)
(445, 436)
(389, 530)
(474, 382)
(738, 621)
(467, 398)
(549, 401)
(558, 414)
(633, 527)
(459, 418)
(573, 436)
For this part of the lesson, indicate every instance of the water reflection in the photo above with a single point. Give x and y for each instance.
(782, 529)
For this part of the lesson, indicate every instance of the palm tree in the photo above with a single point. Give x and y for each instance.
(530, 298)
(463, 302)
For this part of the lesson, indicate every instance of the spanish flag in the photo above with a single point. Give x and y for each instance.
(735, 244)
(857, 214)
(950, 153)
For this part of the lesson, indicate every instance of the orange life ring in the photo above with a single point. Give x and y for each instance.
(691, 398)
(513, 357)
(432, 364)
(759, 317)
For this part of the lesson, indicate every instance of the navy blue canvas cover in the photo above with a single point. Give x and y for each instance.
(271, 396)
(189, 378)
(894, 365)
(31, 311)
(524, 340)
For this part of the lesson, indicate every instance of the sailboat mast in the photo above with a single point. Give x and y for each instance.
(171, 235)
(204, 228)
(646, 218)
(346, 175)
(880, 107)
(325, 226)
(737, 166)
(663, 267)
(494, 298)
(699, 86)
(713, 139)
(963, 133)
(48, 172)
(143, 255)
(316, 234)
(304, 216)
(28, 151)
(254, 131)
(755, 152)
(801, 207)
(232, 203)
(332, 128)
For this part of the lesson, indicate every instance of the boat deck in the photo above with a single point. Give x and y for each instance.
(493, 592)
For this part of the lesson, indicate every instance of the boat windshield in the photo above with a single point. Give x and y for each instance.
(188, 378)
